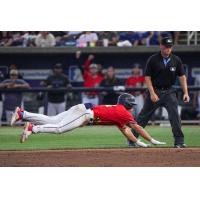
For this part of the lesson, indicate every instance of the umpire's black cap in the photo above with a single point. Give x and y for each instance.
(127, 100)
(167, 41)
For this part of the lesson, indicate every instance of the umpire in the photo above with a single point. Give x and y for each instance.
(161, 71)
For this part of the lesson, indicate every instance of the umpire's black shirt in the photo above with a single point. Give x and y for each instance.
(163, 71)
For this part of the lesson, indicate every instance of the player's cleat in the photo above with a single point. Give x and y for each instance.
(180, 146)
(17, 115)
(27, 132)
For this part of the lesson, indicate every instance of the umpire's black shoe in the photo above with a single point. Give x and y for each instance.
(180, 146)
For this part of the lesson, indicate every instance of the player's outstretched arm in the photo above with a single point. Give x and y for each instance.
(144, 134)
(128, 134)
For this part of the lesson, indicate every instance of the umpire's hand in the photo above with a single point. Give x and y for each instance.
(186, 98)
(154, 97)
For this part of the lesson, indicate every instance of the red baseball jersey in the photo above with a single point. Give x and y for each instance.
(112, 115)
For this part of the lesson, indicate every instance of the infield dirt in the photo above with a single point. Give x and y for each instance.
(152, 157)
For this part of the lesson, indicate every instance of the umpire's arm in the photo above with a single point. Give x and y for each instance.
(153, 95)
(148, 74)
(183, 83)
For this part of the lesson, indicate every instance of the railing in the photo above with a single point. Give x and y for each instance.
(85, 89)
(45, 91)
(88, 50)
(190, 36)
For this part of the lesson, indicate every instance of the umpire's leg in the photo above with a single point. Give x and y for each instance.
(171, 105)
(146, 113)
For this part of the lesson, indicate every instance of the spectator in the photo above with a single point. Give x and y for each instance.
(74, 33)
(5, 37)
(14, 38)
(148, 38)
(110, 80)
(45, 39)
(108, 38)
(176, 35)
(56, 100)
(66, 38)
(154, 39)
(1, 103)
(92, 78)
(29, 38)
(59, 37)
(86, 38)
(128, 39)
(136, 80)
(14, 99)
(11, 67)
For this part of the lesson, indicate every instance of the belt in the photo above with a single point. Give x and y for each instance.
(88, 105)
(162, 88)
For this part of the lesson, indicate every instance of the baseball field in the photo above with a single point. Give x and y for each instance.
(96, 146)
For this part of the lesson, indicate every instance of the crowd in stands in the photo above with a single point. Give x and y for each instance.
(83, 38)
(93, 75)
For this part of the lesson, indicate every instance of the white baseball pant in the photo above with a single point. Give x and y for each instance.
(73, 118)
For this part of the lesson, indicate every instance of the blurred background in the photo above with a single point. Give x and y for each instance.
(49, 71)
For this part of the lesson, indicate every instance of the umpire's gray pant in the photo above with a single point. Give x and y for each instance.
(168, 100)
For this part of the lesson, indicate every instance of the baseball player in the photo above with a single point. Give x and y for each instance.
(82, 114)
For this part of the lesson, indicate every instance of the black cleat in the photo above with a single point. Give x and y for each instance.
(180, 146)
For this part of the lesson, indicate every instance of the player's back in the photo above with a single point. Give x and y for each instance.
(112, 114)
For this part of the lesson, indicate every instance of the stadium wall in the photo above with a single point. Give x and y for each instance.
(42, 59)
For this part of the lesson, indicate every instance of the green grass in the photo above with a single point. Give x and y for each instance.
(89, 137)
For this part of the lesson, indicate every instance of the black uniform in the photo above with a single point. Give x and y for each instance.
(163, 73)
(57, 81)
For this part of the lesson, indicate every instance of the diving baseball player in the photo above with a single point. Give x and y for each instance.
(82, 114)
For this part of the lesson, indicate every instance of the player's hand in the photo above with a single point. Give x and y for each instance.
(156, 142)
(154, 97)
(142, 144)
(186, 98)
